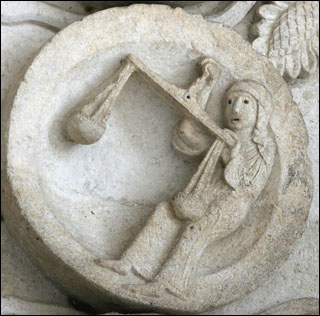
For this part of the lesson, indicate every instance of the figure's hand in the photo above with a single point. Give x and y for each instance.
(259, 137)
(231, 137)
(232, 142)
(188, 207)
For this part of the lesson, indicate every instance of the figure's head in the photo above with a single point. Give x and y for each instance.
(240, 110)
(248, 105)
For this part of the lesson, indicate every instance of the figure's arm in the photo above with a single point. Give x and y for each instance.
(225, 155)
(266, 147)
(237, 173)
(235, 167)
(267, 153)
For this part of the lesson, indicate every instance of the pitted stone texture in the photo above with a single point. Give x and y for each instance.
(19, 278)
(38, 13)
(74, 247)
(306, 94)
(20, 42)
(303, 306)
(227, 12)
(299, 276)
(15, 306)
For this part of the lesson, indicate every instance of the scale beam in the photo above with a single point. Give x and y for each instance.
(87, 125)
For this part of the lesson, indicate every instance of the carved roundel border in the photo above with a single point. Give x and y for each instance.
(54, 250)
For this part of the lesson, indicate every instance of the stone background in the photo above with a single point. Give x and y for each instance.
(25, 27)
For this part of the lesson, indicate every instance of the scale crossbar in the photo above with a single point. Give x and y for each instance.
(87, 125)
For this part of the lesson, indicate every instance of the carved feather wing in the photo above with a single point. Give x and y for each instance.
(289, 36)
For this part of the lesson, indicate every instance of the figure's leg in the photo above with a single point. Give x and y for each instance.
(150, 248)
(181, 264)
(221, 220)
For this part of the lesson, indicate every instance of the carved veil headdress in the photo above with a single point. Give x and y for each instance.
(260, 134)
(264, 100)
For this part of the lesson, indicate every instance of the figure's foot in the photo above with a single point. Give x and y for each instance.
(152, 289)
(120, 266)
(142, 273)
(173, 288)
(175, 291)
(156, 289)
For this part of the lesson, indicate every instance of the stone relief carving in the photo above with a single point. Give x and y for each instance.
(208, 209)
(227, 12)
(87, 125)
(169, 247)
(40, 13)
(288, 34)
(246, 196)
(55, 15)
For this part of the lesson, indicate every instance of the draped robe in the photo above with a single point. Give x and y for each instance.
(168, 249)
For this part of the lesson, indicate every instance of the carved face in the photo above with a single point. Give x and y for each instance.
(240, 110)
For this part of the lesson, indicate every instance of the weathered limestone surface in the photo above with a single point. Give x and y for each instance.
(306, 251)
(288, 33)
(15, 306)
(227, 12)
(20, 279)
(303, 306)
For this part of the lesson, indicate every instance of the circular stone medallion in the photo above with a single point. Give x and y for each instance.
(77, 209)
